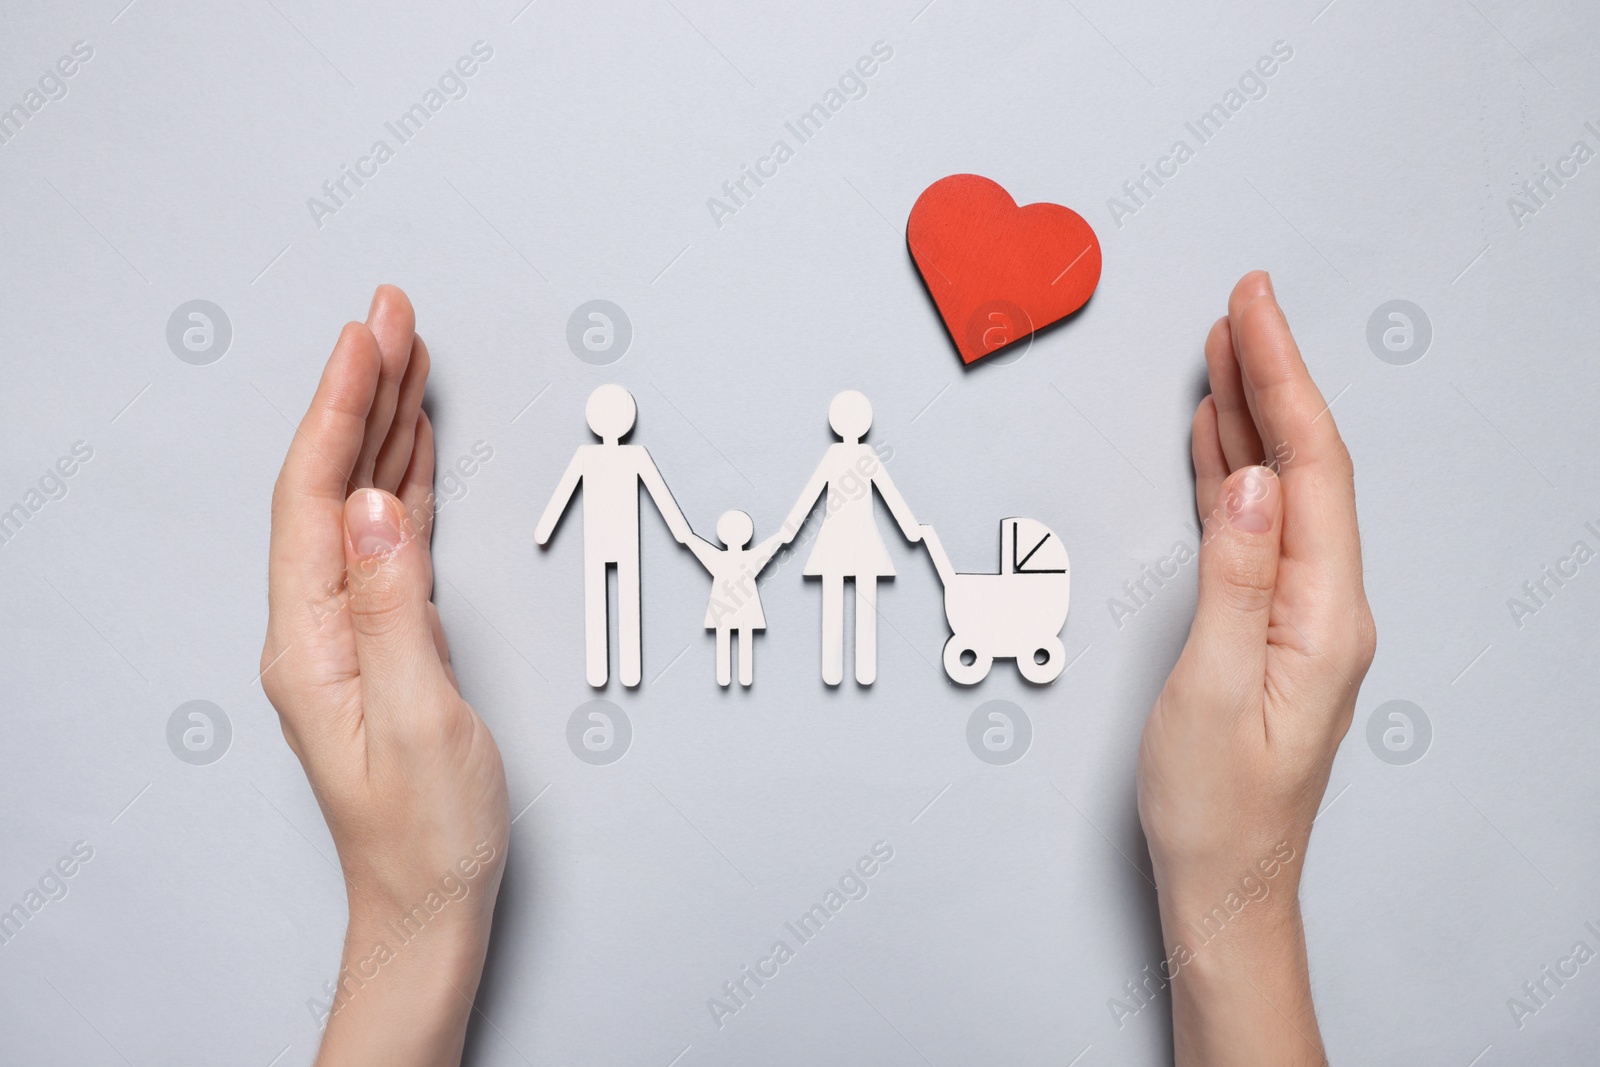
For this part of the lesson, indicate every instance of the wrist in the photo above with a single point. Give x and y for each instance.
(406, 983)
(396, 905)
(1212, 935)
(403, 998)
(1205, 892)
(451, 946)
(1236, 960)
(1244, 996)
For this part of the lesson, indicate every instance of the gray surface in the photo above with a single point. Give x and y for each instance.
(577, 167)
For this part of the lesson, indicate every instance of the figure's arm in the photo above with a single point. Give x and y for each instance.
(802, 507)
(560, 499)
(762, 554)
(897, 504)
(704, 551)
(664, 502)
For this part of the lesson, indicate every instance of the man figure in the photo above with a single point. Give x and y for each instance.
(611, 473)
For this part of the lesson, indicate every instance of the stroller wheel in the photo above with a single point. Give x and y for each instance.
(971, 672)
(1044, 664)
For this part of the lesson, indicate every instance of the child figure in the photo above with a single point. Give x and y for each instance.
(735, 605)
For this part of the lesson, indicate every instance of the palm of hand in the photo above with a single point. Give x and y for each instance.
(355, 660)
(1236, 754)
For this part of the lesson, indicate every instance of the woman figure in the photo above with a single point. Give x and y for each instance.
(848, 545)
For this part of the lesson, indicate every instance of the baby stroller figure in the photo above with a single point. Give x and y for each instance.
(1015, 614)
(735, 604)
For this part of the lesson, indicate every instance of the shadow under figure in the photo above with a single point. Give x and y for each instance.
(848, 545)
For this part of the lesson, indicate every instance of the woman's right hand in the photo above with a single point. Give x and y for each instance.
(1237, 750)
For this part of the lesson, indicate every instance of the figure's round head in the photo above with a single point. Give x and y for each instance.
(850, 415)
(735, 529)
(611, 412)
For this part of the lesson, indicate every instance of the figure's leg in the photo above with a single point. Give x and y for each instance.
(747, 654)
(866, 628)
(594, 620)
(628, 637)
(724, 654)
(833, 628)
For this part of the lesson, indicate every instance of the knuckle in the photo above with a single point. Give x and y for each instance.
(1366, 637)
(280, 498)
(273, 690)
(1243, 598)
(292, 739)
(1342, 461)
(1245, 579)
(271, 682)
(1347, 642)
(441, 729)
(378, 605)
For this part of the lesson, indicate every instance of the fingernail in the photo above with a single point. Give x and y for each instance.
(372, 528)
(1247, 501)
(1270, 290)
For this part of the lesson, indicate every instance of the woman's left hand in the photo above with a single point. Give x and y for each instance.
(356, 663)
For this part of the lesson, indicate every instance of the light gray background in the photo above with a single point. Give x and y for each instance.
(578, 167)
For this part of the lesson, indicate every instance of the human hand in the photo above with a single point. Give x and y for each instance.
(1236, 752)
(355, 661)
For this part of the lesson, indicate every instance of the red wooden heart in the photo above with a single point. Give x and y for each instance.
(997, 271)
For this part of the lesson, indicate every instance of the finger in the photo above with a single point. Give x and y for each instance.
(389, 576)
(416, 488)
(1235, 426)
(393, 324)
(395, 455)
(1210, 465)
(442, 643)
(1238, 575)
(306, 560)
(1318, 483)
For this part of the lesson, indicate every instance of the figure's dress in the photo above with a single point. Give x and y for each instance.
(730, 567)
(849, 543)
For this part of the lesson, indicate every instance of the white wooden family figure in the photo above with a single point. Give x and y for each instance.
(610, 473)
(735, 605)
(1016, 613)
(848, 545)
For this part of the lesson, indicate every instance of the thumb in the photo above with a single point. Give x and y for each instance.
(1239, 571)
(390, 578)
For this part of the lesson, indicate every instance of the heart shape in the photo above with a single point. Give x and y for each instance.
(999, 272)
